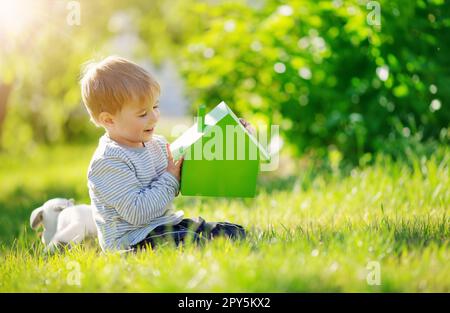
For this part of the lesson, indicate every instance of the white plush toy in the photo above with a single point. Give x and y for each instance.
(63, 222)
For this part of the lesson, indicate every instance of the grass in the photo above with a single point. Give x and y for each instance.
(309, 230)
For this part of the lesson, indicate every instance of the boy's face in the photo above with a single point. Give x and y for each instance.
(134, 124)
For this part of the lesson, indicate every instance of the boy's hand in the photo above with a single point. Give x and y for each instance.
(248, 126)
(174, 167)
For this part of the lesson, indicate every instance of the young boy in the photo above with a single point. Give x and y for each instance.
(132, 177)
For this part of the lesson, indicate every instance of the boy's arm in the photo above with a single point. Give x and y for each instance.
(115, 184)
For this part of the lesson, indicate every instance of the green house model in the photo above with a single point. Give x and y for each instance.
(221, 157)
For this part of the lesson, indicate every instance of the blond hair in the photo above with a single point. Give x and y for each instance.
(109, 85)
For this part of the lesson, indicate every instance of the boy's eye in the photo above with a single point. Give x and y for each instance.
(143, 114)
(155, 106)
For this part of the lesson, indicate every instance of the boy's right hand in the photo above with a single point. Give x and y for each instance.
(173, 167)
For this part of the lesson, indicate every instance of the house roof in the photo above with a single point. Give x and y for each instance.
(191, 135)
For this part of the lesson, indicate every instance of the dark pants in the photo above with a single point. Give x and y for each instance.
(197, 230)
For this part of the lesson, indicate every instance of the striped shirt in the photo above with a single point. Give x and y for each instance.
(131, 191)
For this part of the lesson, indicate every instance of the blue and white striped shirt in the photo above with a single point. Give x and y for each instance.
(131, 191)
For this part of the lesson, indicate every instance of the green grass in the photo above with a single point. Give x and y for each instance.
(310, 231)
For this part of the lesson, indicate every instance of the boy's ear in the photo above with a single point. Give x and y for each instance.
(106, 119)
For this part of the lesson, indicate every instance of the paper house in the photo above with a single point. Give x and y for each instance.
(221, 157)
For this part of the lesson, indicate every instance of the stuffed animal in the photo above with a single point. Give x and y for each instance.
(63, 222)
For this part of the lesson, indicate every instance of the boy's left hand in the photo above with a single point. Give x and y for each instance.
(248, 126)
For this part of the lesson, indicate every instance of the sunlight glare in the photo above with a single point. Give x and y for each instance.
(14, 16)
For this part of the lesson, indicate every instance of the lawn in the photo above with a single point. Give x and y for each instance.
(380, 228)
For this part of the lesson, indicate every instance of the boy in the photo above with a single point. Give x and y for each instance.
(132, 177)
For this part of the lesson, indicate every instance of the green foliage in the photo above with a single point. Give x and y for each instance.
(317, 69)
(326, 76)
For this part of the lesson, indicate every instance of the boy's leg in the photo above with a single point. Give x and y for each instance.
(230, 230)
(197, 229)
(198, 226)
(209, 230)
(165, 233)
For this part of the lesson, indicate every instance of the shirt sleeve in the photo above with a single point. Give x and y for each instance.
(161, 141)
(114, 182)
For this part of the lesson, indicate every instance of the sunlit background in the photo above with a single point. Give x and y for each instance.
(360, 90)
(326, 72)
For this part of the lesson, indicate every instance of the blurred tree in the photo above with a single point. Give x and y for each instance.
(45, 66)
(45, 104)
(5, 90)
(321, 70)
(325, 73)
